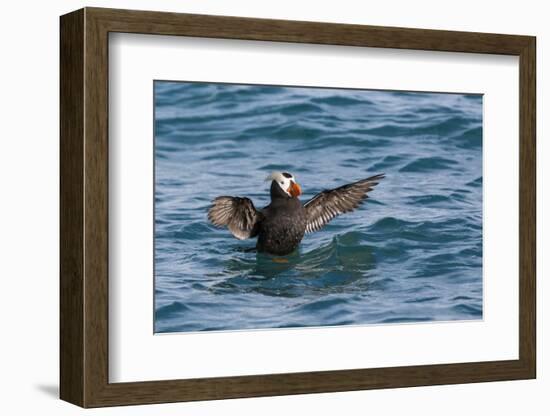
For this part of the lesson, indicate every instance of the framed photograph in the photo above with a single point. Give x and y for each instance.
(255, 207)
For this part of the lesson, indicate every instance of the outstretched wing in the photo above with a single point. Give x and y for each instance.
(238, 214)
(326, 205)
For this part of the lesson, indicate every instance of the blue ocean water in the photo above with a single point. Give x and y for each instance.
(411, 253)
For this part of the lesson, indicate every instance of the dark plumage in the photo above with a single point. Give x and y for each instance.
(281, 225)
(326, 205)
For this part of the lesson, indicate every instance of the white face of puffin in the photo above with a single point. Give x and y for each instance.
(286, 182)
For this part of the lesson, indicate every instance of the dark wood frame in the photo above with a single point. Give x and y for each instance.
(84, 207)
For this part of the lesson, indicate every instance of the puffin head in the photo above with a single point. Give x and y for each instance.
(286, 183)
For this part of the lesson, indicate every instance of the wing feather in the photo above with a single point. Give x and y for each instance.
(326, 205)
(237, 214)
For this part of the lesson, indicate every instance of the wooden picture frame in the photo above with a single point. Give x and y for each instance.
(84, 207)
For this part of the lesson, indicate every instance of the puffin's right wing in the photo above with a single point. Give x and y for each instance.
(326, 205)
(238, 214)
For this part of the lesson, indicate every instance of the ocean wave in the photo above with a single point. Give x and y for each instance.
(339, 101)
(427, 164)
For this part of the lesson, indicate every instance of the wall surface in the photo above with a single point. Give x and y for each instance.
(29, 210)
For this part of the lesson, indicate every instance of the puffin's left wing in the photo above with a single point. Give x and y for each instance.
(238, 214)
(326, 205)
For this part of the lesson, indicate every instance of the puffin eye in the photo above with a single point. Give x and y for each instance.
(282, 183)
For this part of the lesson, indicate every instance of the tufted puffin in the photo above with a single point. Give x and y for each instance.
(281, 225)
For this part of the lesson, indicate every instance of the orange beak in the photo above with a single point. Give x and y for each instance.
(294, 189)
